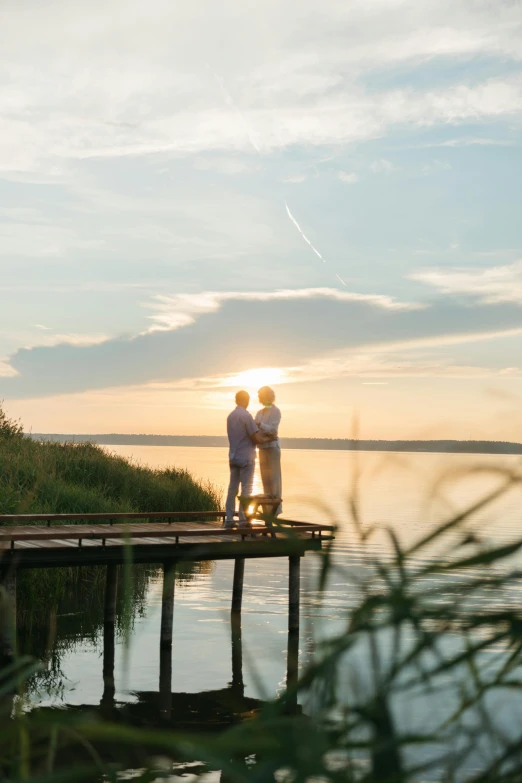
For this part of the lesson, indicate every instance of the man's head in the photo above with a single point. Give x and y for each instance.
(242, 399)
(266, 395)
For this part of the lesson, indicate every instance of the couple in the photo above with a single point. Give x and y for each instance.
(244, 434)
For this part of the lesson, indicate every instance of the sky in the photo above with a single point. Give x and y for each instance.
(322, 196)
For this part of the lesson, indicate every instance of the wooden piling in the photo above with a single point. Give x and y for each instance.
(294, 578)
(167, 604)
(237, 589)
(167, 623)
(109, 627)
(8, 614)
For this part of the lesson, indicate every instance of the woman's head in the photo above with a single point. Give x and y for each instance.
(266, 395)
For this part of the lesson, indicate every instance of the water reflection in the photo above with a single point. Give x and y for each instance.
(206, 710)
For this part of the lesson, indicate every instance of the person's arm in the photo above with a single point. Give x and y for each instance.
(273, 427)
(253, 433)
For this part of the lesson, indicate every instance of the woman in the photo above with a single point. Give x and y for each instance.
(267, 420)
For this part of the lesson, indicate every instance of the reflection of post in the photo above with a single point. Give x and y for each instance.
(165, 682)
(292, 671)
(167, 621)
(237, 656)
(8, 614)
(109, 624)
(294, 574)
(237, 589)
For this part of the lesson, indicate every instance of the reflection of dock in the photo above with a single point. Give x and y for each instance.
(206, 711)
(164, 538)
(212, 710)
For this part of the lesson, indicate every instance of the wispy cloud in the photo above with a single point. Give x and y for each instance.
(382, 166)
(417, 357)
(295, 179)
(174, 312)
(489, 286)
(52, 340)
(350, 177)
(435, 167)
(6, 371)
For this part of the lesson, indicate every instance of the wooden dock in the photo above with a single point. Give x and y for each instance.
(49, 540)
(53, 540)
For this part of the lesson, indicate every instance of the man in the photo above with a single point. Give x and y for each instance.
(242, 437)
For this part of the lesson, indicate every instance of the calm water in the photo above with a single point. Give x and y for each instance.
(395, 489)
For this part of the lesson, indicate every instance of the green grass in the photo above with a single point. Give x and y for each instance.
(44, 477)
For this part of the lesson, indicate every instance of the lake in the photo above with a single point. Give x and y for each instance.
(409, 492)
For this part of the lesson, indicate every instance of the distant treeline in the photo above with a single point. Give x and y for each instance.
(339, 444)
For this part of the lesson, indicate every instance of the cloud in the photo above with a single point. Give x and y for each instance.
(174, 312)
(435, 167)
(221, 334)
(247, 77)
(382, 166)
(408, 358)
(489, 286)
(72, 339)
(229, 166)
(6, 371)
(202, 126)
(296, 179)
(466, 141)
(349, 177)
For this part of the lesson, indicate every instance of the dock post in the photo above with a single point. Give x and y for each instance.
(109, 626)
(237, 589)
(167, 604)
(167, 622)
(294, 578)
(8, 614)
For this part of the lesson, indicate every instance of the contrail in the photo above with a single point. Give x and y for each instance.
(296, 224)
(317, 253)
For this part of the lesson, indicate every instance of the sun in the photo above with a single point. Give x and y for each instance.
(252, 380)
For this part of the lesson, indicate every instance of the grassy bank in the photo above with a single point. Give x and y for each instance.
(42, 477)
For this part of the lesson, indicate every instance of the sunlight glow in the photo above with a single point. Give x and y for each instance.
(252, 380)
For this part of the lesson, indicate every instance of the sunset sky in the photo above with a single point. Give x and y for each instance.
(322, 196)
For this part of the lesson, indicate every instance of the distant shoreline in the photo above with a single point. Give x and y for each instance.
(334, 444)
